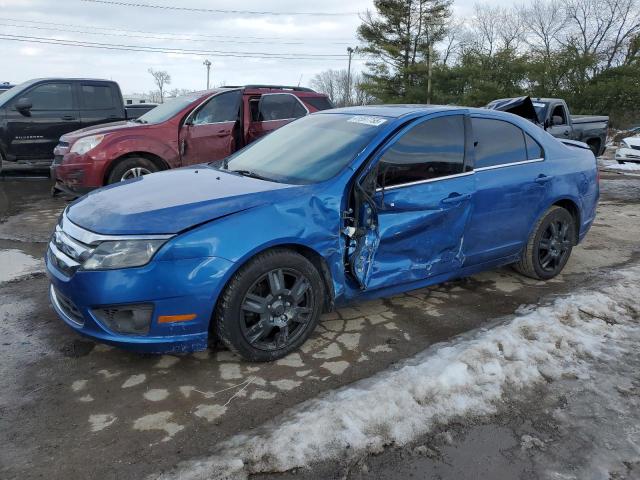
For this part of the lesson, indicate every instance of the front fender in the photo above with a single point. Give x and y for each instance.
(312, 223)
(121, 146)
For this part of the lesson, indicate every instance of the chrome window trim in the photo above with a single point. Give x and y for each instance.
(428, 180)
(447, 177)
(503, 165)
(90, 238)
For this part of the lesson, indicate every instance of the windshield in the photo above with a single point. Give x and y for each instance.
(541, 109)
(309, 150)
(165, 111)
(7, 95)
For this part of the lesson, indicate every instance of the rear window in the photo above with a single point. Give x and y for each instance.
(280, 106)
(319, 103)
(97, 97)
(497, 143)
(534, 150)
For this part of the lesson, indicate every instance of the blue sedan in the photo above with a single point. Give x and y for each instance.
(336, 207)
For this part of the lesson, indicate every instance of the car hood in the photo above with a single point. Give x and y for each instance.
(173, 201)
(100, 129)
(521, 106)
(632, 141)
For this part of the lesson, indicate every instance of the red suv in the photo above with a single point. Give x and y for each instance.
(196, 128)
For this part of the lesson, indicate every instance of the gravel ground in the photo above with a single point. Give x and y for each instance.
(65, 399)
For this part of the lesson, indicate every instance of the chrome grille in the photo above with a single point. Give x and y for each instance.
(66, 306)
(67, 253)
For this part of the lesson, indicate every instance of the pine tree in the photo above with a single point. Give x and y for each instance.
(397, 37)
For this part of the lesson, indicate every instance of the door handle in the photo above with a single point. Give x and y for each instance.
(566, 133)
(222, 133)
(455, 198)
(68, 117)
(542, 179)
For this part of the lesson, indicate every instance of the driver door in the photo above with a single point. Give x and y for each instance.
(413, 217)
(210, 132)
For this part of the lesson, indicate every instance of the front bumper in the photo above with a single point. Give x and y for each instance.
(628, 154)
(77, 173)
(173, 287)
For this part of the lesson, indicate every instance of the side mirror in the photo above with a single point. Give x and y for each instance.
(24, 105)
(557, 120)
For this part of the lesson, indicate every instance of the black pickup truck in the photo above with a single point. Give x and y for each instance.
(35, 114)
(553, 115)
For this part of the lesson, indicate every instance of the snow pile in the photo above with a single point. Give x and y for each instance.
(627, 166)
(464, 377)
(15, 264)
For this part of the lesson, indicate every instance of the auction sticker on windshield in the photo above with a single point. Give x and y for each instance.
(367, 120)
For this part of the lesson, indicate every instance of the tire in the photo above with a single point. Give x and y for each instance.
(546, 252)
(270, 306)
(131, 167)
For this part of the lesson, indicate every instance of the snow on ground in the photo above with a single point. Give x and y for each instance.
(465, 377)
(14, 264)
(626, 167)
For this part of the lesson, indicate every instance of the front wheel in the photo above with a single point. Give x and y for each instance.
(549, 245)
(131, 167)
(270, 306)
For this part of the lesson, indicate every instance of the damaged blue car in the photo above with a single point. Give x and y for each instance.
(336, 207)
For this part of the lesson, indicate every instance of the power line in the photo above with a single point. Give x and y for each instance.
(148, 49)
(151, 37)
(94, 27)
(217, 10)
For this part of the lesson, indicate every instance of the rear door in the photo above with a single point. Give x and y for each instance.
(273, 111)
(511, 185)
(54, 112)
(412, 226)
(211, 131)
(100, 102)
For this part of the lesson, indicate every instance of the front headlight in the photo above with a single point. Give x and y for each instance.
(85, 144)
(122, 254)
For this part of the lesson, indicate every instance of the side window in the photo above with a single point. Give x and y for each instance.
(280, 106)
(497, 143)
(221, 108)
(51, 96)
(432, 149)
(319, 103)
(558, 111)
(97, 97)
(534, 150)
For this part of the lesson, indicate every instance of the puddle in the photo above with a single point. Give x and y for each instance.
(15, 264)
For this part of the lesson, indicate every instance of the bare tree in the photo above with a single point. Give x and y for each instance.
(602, 28)
(546, 20)
(162, 78)
(334, 84)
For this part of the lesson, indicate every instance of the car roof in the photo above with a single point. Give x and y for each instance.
(395, 111)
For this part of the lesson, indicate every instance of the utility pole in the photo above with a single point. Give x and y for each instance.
(348, 92)
(207, 64)
(429, 70)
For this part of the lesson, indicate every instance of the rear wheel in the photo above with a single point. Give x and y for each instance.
(549, 246)
(131, 167)
(270, 306)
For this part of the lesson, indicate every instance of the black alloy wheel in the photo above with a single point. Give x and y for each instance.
(270, 306)
(549, 246)
(554, 245)
(276, 309)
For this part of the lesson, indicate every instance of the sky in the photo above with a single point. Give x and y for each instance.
(238, 40)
